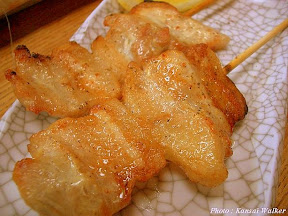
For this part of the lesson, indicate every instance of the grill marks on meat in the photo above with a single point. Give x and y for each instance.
(68, 83)
(88, 165)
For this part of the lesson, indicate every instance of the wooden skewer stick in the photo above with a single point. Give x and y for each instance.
(198, 7)
(253, 48)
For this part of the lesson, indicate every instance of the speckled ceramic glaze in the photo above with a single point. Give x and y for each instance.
(253, 168)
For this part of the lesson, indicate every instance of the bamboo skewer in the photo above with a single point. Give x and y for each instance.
(250, 50)
(253, 48)
(198, 7)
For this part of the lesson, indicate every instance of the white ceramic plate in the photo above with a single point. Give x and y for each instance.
(253, 168)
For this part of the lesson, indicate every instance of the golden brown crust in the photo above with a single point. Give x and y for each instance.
(183, 29)
(89, 165)
(182, 99)
(71, 80)
(167, 93)
(220, 88)
(67, 83)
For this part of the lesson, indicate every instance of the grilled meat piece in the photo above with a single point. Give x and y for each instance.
(88, 165)
(67, 83)
(171, 94)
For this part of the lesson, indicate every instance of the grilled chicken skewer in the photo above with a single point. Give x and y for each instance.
(176, 103)
(43, 83)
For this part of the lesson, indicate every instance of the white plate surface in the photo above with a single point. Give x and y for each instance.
(253, 168)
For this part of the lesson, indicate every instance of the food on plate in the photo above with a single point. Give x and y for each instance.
(87, 165)
(72, 80)
(152, 89)
(184, 29)
(67, 83)
(171, 94)
(136, 36)
(151, 28)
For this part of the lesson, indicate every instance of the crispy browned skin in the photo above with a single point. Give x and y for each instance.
(87, 166)
(72, 80)
(151, 28)
(222, 91)
(67, 83)
(183, 29)
(170, 94)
